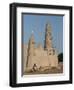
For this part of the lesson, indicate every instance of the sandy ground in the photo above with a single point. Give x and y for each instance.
(46, 71)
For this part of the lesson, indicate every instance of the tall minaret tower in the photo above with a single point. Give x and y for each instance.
(31, 46)
(53, 59)
(48, 37)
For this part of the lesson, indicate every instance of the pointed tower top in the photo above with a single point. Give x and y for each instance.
(32, 31)
(48, 25)
(32, 37)
(32, 34)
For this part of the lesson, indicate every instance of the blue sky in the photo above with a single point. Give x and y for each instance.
(37, 24)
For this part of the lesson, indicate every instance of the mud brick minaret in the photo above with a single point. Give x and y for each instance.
(48, 37)
(31, 47)
(52, 54)
(39, 56)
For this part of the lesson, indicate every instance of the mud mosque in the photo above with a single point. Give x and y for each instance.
(39, 57)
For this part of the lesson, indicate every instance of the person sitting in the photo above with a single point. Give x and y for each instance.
(34, 67)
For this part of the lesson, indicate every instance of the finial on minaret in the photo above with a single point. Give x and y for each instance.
(32, 34)
(48, 26)
(32, 31)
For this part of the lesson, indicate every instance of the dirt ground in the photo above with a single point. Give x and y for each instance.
(46, 71)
